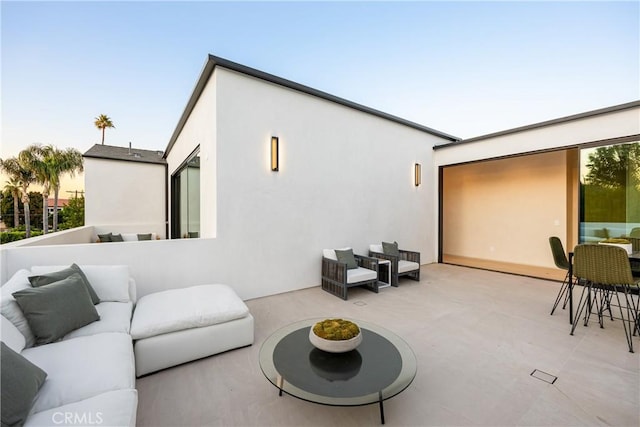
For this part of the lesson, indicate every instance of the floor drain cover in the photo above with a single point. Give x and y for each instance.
(360, 303)
(543, 376)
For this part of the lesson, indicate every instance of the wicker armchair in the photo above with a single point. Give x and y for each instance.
(337, 278)
(406, 264)
(607, 273)
(561, 261)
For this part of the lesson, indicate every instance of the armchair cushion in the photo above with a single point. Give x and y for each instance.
(346, 256)
(404, 266)
(329, 254)
(390, 248)
(376, 248)
(360, 274)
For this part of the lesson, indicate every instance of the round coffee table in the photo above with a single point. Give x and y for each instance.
(382, 366)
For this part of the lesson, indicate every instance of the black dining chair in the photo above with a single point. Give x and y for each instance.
(561, 261)
(635, 247)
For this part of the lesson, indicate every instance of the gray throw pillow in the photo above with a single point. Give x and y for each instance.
(54, 310)
(105, 237)
(56, 276)
(390, 248)
(117, 238)
(21, 381)
(347, 257)
(144, 236)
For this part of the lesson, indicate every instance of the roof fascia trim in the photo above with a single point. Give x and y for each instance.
(214, 61)
(93, 156)
(592, 113)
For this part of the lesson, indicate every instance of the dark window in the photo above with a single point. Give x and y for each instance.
(185, 206)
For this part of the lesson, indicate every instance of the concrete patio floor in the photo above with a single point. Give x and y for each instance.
(477, 336)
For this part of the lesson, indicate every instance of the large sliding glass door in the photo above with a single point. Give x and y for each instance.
(610, 192)
(185, 207)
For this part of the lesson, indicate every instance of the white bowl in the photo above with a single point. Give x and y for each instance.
(333, 346)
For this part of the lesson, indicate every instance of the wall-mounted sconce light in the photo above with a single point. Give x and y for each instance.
(275, 159)
(417, 172)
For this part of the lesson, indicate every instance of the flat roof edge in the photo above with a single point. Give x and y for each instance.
(136, 160)
(213, 61)
(600, 111)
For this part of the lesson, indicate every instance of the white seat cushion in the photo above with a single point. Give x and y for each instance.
(113, 408)
(360, 274)
(179, 309)
(114, 317)
(82, 367)
(404, 266)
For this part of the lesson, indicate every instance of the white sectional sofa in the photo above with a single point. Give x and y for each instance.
(91, 370)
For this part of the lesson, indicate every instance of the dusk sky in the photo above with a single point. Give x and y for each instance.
(464, 68)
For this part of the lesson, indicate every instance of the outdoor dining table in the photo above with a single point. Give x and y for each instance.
(634, 257)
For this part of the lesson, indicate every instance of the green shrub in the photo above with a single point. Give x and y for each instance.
(13, 236)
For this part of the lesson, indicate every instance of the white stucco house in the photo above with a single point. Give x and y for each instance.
(125, 189)
(344, 175)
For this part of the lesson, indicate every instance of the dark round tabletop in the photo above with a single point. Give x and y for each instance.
(382, 366)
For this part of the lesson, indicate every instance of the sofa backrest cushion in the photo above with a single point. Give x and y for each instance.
(10, 309)
(55, 276)
(21, 381)
(331, 253)
(129, 237)
(111, 282)
(12, 336)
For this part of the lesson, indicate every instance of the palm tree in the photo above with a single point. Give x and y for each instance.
(21, 170)
(41, 160)
(12, 188)
(62, 162)
(102, 122)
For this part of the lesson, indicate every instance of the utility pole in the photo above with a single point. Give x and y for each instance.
(76, 193)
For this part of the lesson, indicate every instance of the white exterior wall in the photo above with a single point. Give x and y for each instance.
(200, 130)
(127, 195)
(345, 179)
